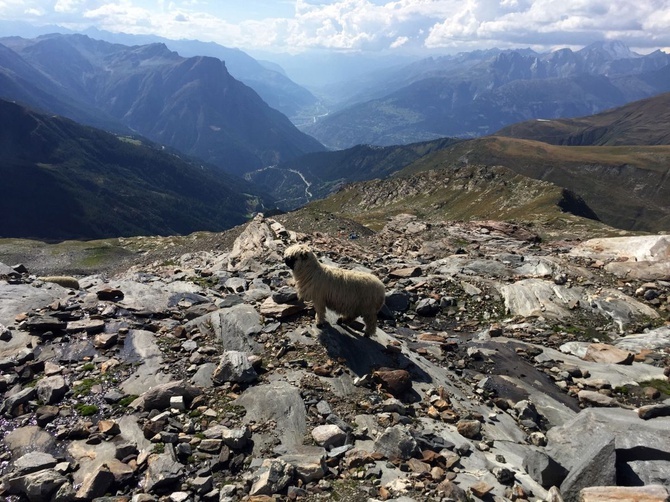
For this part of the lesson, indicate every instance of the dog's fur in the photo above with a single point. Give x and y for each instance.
(349, 293)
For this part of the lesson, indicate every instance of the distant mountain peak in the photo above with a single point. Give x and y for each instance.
(609, 49)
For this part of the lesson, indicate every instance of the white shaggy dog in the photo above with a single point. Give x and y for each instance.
(350, 293)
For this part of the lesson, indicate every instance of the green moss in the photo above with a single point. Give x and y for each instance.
(86, 410)
(84, 388)
(127, 400)
(159, 448)
(88, 367)
(659, 384)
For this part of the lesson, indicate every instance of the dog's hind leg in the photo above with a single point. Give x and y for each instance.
(370, 321)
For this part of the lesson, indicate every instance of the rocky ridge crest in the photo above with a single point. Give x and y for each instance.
(504, 368)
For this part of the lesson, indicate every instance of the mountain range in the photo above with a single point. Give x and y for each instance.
(62, 180)
(478, 93)
(191, 104)
(622, 174)
(643, 122)
(202, 131)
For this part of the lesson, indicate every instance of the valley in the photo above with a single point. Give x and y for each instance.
(153, 344)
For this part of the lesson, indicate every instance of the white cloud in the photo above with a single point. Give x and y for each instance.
(367, 24)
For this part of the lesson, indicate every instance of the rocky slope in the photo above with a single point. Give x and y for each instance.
(190, 104)
(504, 368)
(643, 122)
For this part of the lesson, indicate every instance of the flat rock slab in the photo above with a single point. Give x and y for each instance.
(608, 354)
(18, 298)
(150, 297)
(639, 257)
(653, 339)
(641, 445)
(280, 402)
(234, 326)
(617, 375)
(140, 346)
(651, 493)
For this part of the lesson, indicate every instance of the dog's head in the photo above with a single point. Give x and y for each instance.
(297, 253)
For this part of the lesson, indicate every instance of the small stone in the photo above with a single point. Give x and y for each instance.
(595, 398)
(396, 382)
(328, 435)
(653, 411)
(604, 353)
(109, 427)
(469, 428)
(480, 489)
(649, 493)
(234, 366)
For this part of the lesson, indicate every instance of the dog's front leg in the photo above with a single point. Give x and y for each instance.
(320, 309)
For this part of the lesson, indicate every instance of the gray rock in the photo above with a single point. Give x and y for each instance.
(234, 366)
(544, 469)
(163, 471)
(594, 398)
(273, 476)
(309, 464)
(96, 484)
(323, 408)
(397, 300)
(17, 298)
(280, 402)
(27, 439)
(236, 285)
(397, 442)
(34, 461)
(52, 389)
(427, 307)
(654, 410)
(636, 257)
(234, 326)
(5, 334)
(158, 397)
(140, 347)
(285, 294)
(203, 376)
(595, 467)
(236, 438)
(21, 397)
(526, 411)
(38, 486)
(654, 339)
(328, 436)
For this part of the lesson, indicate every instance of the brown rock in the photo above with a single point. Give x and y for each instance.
(608, 354)
(653, 411)
(452, 491)
(109, 427)
(105, 340)
(649, 493)
(594, 398)
(87, 325)
(469, 428)
(416, 465)
(651, 393)
(402, 273)
(480, 489)
(394, 381)
(270, 308)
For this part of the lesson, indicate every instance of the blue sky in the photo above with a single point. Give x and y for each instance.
(366, 25)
